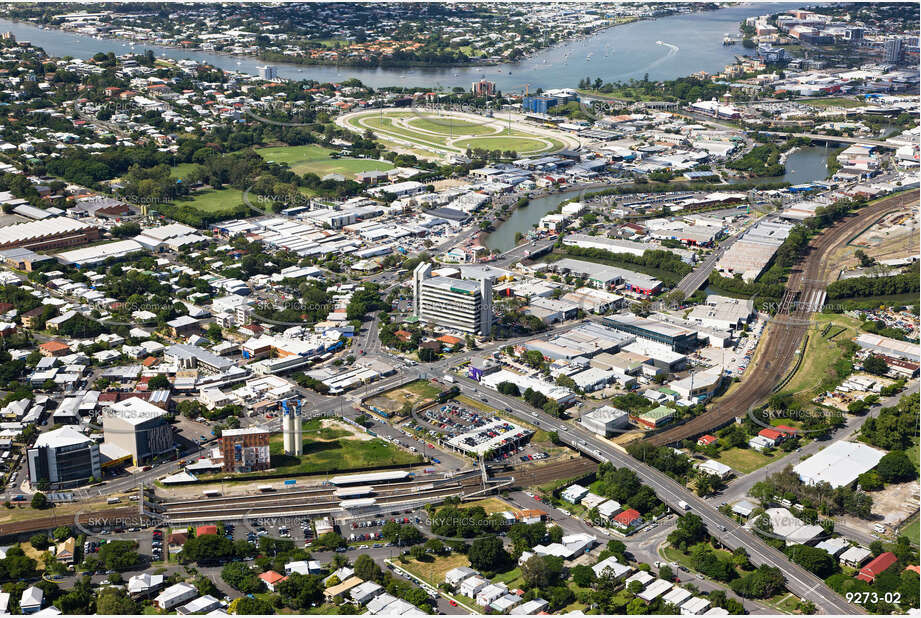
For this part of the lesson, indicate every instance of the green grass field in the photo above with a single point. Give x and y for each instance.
(834, 102)
(214, 201)
(817, 368)
(744, 460)
(332, 449)
(179, 171)
(911, 529)
(523, 145)
(451, 126)
(315, 159)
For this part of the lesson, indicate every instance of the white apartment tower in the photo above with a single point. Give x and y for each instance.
(458, 304)
(292, 432)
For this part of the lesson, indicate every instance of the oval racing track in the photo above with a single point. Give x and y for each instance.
(356, 122)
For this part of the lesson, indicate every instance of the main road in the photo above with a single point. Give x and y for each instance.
(799, 581)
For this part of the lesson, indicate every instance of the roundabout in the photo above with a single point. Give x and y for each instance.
(445, 133)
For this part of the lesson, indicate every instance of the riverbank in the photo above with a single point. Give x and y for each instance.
(631, 45)
(264, 55)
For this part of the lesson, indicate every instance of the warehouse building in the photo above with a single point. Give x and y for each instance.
(604, 277)
(594, 300)
(64, 457)
(53, 233)
(838, 465)
(889, 347)
(605, 421)
(751, 254)
(676, 338)
(99, 253)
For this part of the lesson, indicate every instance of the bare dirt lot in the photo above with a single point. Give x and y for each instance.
(893, 505)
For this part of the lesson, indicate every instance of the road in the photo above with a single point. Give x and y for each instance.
(739, 488)
(799, 581)
(697, 277)
(838, 139)
(780, 342)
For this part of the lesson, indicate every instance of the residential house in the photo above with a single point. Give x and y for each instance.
(877, 566)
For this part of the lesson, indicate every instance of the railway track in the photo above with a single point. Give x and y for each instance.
(47, 523)
(804, 295)
(571, 468)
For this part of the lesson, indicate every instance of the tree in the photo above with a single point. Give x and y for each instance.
(870, 481)
(114, 601)
(763, 582)
(61, 533)
(40, 501)
(39, 541)
(366, 568)
(301, 592)
(541, 571)
(488, 554)
(689, 530)
(895, 467)
(251, 606)
(240, 576)
(875, 365)
(582, 575)
(159, 382)
(666, 573)
(813, 559)
(330, 541)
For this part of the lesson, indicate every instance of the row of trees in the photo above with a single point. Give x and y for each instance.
(905, 283)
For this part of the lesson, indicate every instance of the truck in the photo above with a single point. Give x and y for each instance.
(684, 505)
(450, 379)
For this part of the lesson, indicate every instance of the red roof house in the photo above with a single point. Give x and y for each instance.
(271, 579)
(706, 440)
(877, 566)
(203, 530)
(771, 434)
(628, 518)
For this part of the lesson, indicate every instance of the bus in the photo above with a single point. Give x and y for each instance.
(211, 493)
(266, 488)
(114, 500)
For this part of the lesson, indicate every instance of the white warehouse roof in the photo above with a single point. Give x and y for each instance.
(839, 464)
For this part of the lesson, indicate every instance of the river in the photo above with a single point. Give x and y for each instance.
(523, 219)
(804, 165)
(691, 43)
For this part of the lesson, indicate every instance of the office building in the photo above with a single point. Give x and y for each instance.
(245, 450)
(457, 304)
(677, 338)
(267, 73)
(63, 457)
(538, 105)
(483, 88)
(138, 427)
(894, 51)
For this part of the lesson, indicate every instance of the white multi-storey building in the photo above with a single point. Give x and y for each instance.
(458, 304)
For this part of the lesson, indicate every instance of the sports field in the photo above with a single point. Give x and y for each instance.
(214, 200)
(453, 132)
(316, 159)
